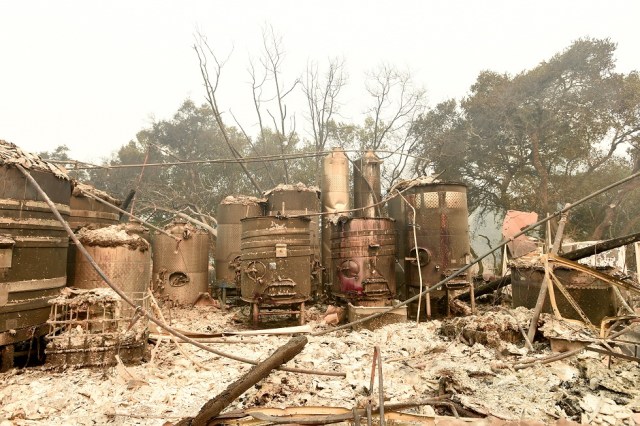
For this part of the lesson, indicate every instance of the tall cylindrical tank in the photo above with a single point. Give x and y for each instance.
(335, 199)
(366, 185)
(33, 246)
(299, 199)
(85, 211)
(181, 269)
(276, 260)
(364, 257)
(230, 212)
(124, 257)
(442, 233)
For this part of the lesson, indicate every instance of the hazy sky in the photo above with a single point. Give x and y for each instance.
(91, 74)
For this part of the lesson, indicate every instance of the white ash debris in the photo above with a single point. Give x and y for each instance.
(567, 329)
(417, 362)
(112, 236)
(70, 296)
(300, 187)
(409, 183)
(12, 154)
(245, 200)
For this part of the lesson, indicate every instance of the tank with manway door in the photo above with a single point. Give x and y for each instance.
(276, 265)
(33, 249)
(231, 211)
(181, 267)
(299, 199)
(441, 228)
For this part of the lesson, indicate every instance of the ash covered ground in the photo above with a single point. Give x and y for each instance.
(471, 358)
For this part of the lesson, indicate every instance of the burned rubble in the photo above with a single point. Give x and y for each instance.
(418, 361)
(124, 347)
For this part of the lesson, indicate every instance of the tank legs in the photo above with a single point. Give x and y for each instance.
(255, 314)
(301, 314)
(6, 358)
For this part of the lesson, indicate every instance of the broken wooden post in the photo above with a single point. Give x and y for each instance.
(214, 406)
(533, 326)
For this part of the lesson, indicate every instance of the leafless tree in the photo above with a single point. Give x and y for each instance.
(206, 53)
(322, 93)
(270, 92)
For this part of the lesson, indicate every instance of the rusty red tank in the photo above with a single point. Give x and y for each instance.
(363, 261)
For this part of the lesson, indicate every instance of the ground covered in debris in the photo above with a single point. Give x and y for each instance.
(471, 358)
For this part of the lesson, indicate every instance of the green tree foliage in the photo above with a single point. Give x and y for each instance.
(190, 135)
(543, 137)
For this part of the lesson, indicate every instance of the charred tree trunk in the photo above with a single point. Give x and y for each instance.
(214, 406)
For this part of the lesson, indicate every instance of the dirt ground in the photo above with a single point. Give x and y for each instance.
(419, 361)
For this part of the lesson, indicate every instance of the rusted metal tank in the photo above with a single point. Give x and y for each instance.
(230, 212)
(276, 264)
(124, 257)
(86, 211)
(181, 269)
(33, 248)
(366, 185)
(299, 199)
(595, 297)
(442, 233)
(364, 257)
(335, 199)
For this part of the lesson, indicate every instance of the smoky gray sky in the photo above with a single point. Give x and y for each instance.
(91, 74)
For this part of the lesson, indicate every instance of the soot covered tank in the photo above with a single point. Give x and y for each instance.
(364, 255)
(230, 212)
(85, 211)
(276, 265)
(442, 233)
(33, 248)
(181, 269)
(298, 199)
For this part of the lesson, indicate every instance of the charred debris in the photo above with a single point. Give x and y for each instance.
(350, 309)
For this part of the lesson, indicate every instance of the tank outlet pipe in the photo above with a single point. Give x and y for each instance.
(479, 258)
(140, 310)
(415, 243)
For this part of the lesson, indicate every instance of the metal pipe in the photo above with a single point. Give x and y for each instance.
(479, 258)
(415, 243)
(380, 388)
(128, 300)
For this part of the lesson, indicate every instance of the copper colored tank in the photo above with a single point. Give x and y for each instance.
(291, 200)
(86, 211)
(180, 270)
(364, 257)
(442, 232)
(276, 260)
(230, 212)
(366, 185)
(335, 199)
(33, 247)
(124, 257)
